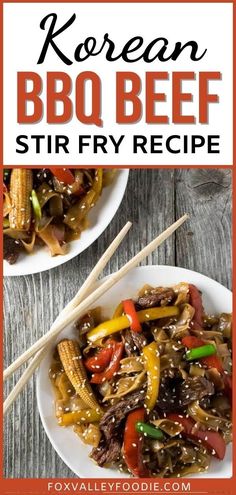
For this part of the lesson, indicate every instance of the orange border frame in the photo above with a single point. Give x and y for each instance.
(39, 486)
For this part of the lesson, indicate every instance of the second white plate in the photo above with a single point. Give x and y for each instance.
(99, 217)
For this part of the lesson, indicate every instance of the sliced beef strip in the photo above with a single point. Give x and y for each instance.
(107, 452)
(110, 444)
(176, 393)
(205, 402)
(11, 249)
(129, 343)
(134, 342)
(168, 399)
(159, 296)
(113, 417)
(139, 340)
(194, 389)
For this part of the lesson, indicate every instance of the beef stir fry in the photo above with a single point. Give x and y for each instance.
(150, 390)
(48, 207)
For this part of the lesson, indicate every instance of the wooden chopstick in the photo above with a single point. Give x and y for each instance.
(81, 294)
(92, 298)
(96, 271)
(25, 377)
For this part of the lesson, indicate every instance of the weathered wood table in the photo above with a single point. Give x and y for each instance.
(153, 200)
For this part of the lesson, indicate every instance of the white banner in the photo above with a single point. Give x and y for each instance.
(176, 59)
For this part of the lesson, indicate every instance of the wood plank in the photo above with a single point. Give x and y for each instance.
(204, 243)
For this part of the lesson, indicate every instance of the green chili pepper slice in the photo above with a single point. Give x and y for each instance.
(36, 206)
(200, 352)
(149, 431)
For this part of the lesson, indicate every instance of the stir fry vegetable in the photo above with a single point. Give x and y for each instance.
(77, 417)
(131, 313)
(196, 303)
(133, 444)
(100, 360)
(149, 430)
(48, 207)
(117, 324)
(152, 365)
(200, 352)
(36, 205)
(70, 356)
(211, 439)
(19, 216)
(63, 175)
(113, 367)
(192, 342)
(150, 389)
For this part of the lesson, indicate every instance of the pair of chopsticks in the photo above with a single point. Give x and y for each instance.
(81, 303)
(81, 294)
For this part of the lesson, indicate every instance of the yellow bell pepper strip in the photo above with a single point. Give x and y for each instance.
(80, 417)
(153, 367)
(130, 311)
(118, 311)
(117, 324)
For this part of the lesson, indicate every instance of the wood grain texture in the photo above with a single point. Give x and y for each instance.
(153, 200)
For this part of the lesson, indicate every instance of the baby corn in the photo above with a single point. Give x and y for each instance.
(71, 359)
(21, 185)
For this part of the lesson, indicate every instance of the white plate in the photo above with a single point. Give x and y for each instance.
(216, 299)
(100, 217)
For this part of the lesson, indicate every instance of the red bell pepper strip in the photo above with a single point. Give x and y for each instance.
(133, 443)
(196, 302)
(63, 175)
(113, 367)
(212, 440)
(190, 341)
(129, 309)
(213, 362)
(100, 360)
